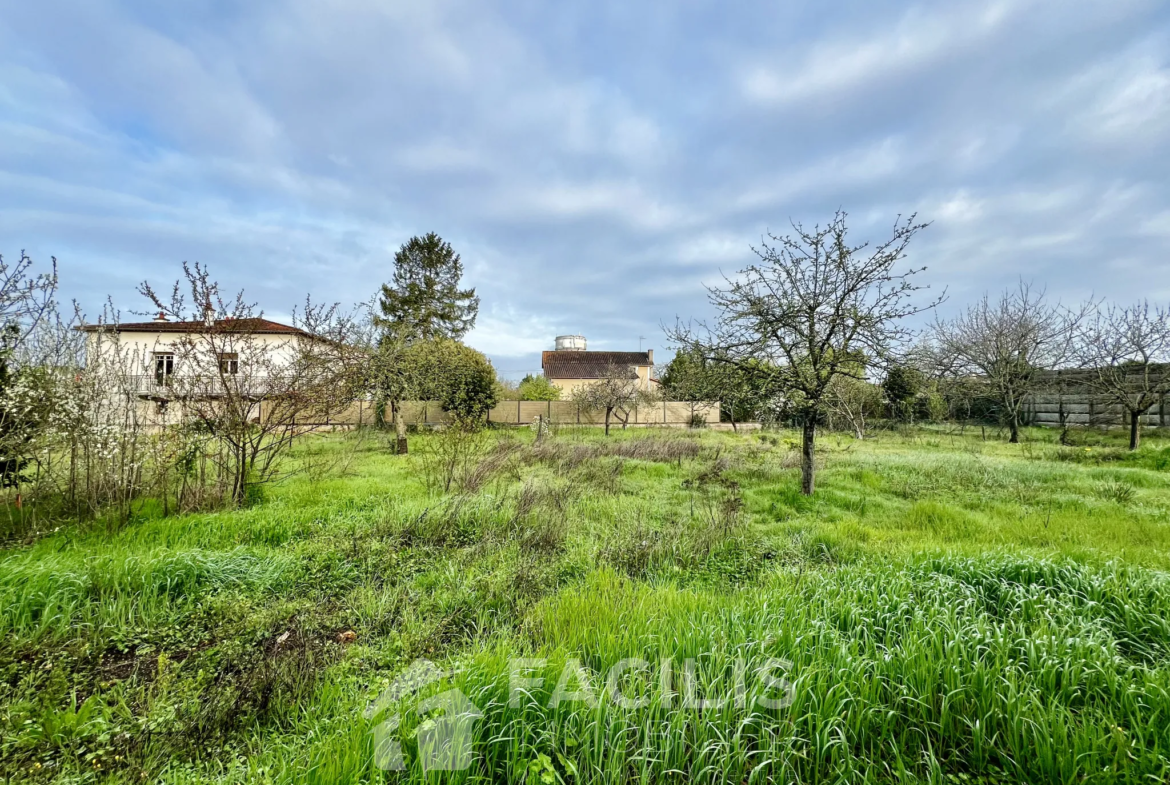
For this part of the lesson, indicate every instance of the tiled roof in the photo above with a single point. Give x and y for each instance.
(251, 326)
(588, 365)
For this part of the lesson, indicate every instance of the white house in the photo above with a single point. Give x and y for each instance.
(154, 352)
(161, 360)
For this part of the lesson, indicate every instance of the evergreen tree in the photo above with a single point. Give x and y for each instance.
(424, 301)
(902, 385)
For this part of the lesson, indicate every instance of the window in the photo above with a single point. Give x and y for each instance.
(229, 363)
(164, 367)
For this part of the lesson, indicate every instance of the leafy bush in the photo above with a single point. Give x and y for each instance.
(538, 388)
(457, 376)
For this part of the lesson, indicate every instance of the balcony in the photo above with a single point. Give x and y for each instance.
(174, 386)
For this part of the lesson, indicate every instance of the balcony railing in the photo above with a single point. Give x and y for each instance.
(179, 386)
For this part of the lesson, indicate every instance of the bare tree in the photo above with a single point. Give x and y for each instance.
(1009, 343)
(814, 308)
(251, 386)
(25, 297)
(855, 401)
(1125, 352)
(616, 392)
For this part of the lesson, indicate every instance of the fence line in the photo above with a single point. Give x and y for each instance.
(525, 412)
(1085, 409)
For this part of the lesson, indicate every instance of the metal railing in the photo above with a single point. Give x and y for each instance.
(179, 386)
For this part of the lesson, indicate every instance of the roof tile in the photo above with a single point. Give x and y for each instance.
(588, 365)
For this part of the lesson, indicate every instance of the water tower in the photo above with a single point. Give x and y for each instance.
(570, 343)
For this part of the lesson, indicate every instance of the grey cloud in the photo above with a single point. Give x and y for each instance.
(595, 163)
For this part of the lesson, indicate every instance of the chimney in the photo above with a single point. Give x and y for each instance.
(650, 356)
(162, 316)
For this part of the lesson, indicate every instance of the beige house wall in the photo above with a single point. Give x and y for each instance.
(568, 386)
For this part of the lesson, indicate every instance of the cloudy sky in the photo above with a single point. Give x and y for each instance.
(594, 162)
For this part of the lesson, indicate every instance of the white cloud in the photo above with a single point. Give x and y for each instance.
(506, 332)
(917, 40)
(592, 170)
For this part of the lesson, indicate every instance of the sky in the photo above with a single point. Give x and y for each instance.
(596, 164)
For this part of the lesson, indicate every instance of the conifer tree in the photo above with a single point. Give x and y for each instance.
(424, 301)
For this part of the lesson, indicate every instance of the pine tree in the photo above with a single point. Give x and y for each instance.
(424, 301)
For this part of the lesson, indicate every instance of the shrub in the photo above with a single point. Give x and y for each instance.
(538, 388)
(457, 376)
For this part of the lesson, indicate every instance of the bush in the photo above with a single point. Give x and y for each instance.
(538, 388)
(457, 376)
(901, 386)
(929, 406)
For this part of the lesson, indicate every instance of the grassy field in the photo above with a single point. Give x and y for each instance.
(948, 608)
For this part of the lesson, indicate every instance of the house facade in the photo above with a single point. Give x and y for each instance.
(153, 355)
(161, 362)
(571, 365)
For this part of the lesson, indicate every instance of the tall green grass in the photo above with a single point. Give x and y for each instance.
(953, 609)
(996, 668)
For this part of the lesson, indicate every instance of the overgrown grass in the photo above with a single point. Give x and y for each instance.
(949, 608)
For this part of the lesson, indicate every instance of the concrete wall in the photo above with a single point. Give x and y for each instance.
(1085, 409)
(525, 412)
(1068, 399)
(364, 412)
(569, 413)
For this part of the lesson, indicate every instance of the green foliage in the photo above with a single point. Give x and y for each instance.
(538, 388)
(740, 390)
(457, 376)
(901, 386)
(686, 377)
(952, 609)
(424, 301)
(930, 406)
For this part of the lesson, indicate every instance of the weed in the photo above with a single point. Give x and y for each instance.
(1118, 492)
(952, 609)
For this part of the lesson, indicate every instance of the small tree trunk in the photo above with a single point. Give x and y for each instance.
(808, 455)
(1135, 433)
(1015, 429)
(607, 413)
(400, 428)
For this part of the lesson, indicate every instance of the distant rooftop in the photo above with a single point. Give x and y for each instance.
(588, 365)
(250, 326)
